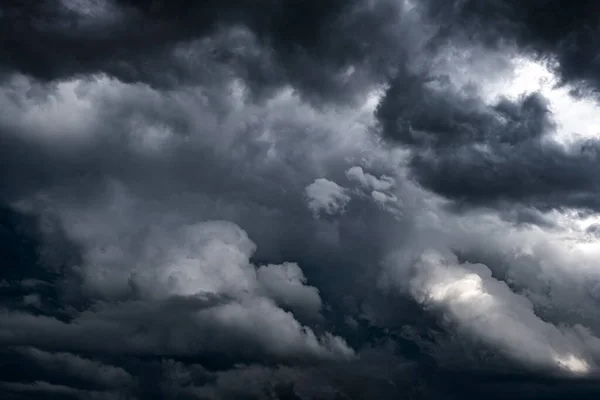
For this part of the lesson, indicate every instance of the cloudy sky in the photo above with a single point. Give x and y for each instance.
(299, 199)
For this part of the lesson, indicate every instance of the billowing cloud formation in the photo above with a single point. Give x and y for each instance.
(472, 297)
(327, 196)
(556, 30)
(504, 151)
(192, 276)
(297, 200)
(489, 154)
(286, 283)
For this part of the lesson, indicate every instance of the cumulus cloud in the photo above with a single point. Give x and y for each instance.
(462, 144)
(380, 190)
(479, 303)
(558, 31)
(286, 283)
(383, 183)
(327, 196)
(197, 275)
(462, 141)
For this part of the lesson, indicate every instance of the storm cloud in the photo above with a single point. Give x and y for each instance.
(298, 200)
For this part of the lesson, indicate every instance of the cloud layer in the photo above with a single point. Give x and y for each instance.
(297, 200)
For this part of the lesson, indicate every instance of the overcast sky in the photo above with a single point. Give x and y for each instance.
(299, 199)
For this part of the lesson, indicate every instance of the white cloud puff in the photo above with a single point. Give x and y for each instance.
(486, 308)
(326, 196)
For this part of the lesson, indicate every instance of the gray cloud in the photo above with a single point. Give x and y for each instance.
(47, 390)
(163, 279)
(377, 374)
(287, 284)
(488, 154)
(235, 200)
(327, 196)
(556, 31)
(80, 368)
(344, 45)
(471, 296)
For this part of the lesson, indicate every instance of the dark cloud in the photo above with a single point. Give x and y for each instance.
(557, 31)
(496, 154)
(431, 113)
(343, 43)
(488, 154)
(241, 200)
